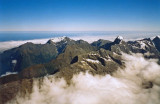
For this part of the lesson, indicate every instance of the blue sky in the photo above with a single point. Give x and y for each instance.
(79, 15)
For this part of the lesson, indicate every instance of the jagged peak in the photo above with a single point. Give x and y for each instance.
(118, 40)
(120, 37)
(66, 39)
(58, 39)
(50, 42)
(157, 37)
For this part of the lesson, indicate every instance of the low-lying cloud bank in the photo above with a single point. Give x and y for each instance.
(138, 83)
(12, 44)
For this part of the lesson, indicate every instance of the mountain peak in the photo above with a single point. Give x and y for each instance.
(66, 39)
(156, 42)
(157, 37)
(58, 39)
(50, 41)
(118, 39)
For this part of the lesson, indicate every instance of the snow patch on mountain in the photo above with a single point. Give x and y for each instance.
(93, 61)
(120, 38)
(14, 61)
(142, 44)
(58, 39)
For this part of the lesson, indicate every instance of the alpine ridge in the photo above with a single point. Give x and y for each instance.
(64, 58)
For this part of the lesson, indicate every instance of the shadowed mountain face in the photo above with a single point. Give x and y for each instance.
(29, 54)
(156, 41)
(66, 58)
(100, 43)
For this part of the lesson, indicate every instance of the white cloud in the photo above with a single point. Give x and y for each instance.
(12, 44)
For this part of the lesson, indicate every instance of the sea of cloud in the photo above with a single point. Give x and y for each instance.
(125, 86)
(87, 36)
(12, 44)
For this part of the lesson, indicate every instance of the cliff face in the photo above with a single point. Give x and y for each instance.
(66, 58)
(156, 41)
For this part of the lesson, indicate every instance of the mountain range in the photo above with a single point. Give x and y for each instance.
(65, 58)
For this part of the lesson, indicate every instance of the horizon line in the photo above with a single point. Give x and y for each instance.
(92, 31)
